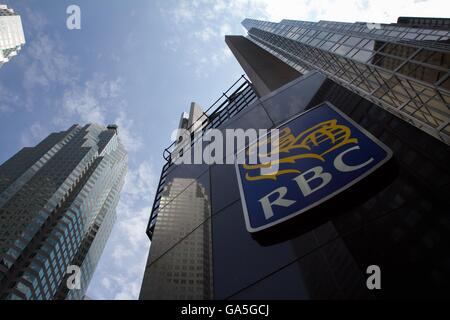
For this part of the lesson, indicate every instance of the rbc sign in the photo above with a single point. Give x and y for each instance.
(321, 153)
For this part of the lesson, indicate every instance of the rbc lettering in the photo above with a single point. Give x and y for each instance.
(320, 153)
(303, 183)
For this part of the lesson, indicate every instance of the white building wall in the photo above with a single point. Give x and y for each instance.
(12, 37)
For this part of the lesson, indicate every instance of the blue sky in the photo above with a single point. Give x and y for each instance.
(139, 63)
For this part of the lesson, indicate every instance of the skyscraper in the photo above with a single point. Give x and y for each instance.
(57, 209)
(402, 67)
(185, 273)
(11, 34)
(395, 217)
(184, 269)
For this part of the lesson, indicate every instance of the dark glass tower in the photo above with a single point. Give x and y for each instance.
(180, 263)
(184, 273)
(393, 81)
(57, 209)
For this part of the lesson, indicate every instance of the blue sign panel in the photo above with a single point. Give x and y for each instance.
(321, 153)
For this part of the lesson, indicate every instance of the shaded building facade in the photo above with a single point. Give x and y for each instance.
(395, 218)
(57, 209)
(184, 273)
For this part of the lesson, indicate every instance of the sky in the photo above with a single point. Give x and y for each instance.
(139, 64)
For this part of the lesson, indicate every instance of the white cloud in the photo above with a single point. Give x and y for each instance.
(173, 43)
(120, 253)
(48, 64)
(130, 292)
(45, 63)
(207, 24)
(35, 134)
(184, 12)
(36, 20)
(106, 283)
(134, 228)
(140, 183)
(8, 100)
(205, 34)
(225, 29)
(84, 105)
(382, 11)
(5, 108)
(127, 135)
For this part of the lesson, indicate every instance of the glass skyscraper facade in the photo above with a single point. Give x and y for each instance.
(11, 34)
(391, 80)
(402, 67)
(180, 264)
(57, 209)
(184, 273)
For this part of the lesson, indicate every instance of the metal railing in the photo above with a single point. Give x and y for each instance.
(240, 95)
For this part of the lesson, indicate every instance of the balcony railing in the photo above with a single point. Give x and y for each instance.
(239, 96)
